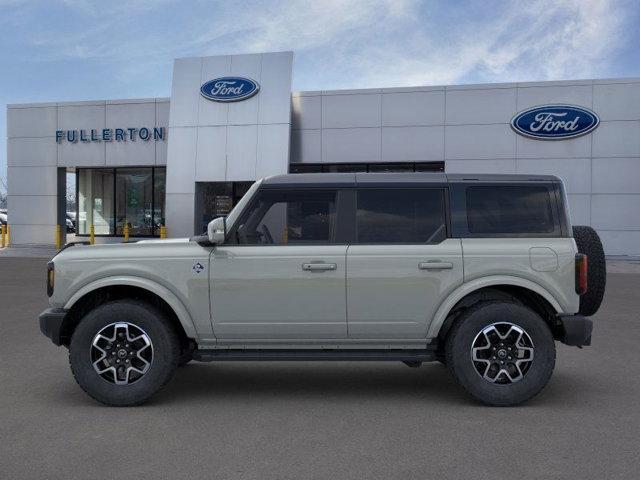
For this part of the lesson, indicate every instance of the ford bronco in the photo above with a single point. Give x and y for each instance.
(482, 273)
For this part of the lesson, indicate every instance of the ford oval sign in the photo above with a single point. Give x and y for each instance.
(555, 122)
(229, 89)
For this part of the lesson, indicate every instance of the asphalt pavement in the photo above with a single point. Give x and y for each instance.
(317, 420)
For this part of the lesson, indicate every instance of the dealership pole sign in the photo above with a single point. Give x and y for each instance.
(229, 89)
(555, 122)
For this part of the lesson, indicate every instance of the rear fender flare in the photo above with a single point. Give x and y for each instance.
(466, 288)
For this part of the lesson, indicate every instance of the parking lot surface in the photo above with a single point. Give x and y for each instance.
(317, 420)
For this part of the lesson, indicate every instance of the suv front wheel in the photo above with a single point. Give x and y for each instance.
(502, 353)
(123, 352)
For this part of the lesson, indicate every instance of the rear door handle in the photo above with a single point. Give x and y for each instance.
(435, 265)
(319, 267)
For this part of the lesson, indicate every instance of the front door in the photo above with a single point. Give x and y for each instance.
(281, 275)
(401, 265)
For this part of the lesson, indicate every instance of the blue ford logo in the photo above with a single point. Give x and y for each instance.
(229, 89)
(555, 122)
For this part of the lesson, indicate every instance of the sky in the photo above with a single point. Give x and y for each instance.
(87, 50)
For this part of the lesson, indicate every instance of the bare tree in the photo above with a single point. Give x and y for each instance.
(3, 193)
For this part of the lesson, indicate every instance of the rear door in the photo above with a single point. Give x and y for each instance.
(402, 263)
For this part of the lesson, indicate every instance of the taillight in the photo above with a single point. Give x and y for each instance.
(51, 278)
(581, 273)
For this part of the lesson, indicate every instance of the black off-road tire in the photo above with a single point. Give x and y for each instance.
(166, 352)
(459, 357)
(589, 243)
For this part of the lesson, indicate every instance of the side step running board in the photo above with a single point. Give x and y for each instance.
(315, 355)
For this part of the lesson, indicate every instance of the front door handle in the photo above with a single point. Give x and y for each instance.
(435, 265)
(319, 267)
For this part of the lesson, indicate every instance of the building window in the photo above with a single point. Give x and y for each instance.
(111, 198)
(366, 167)
(216, 199)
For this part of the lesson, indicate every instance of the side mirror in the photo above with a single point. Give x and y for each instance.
(217, 230)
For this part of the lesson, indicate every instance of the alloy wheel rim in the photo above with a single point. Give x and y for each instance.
(121, 353)
(502, 353)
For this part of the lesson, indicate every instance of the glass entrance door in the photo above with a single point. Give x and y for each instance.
(216, 199)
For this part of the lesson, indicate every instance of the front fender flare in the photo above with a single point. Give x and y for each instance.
(466, 288)
(164, 293)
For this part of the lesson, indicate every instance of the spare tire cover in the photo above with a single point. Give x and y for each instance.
(589, 243)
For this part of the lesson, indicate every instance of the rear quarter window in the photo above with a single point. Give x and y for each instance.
(512, 209)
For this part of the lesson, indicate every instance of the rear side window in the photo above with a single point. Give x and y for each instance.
(509, 209)
(401, 216)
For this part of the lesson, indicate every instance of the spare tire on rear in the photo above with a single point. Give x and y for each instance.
(589, 243)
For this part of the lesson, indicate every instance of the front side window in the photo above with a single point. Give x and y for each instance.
(289, 217)
(401, 216)
(509, 210)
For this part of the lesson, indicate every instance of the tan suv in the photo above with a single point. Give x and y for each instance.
(482, 273)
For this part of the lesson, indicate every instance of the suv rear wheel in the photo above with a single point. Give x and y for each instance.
(123, 352)
(502, 353)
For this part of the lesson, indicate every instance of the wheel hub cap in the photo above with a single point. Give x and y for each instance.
(121, 353)
(502, 353)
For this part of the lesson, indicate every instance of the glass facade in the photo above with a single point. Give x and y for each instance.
(216, 199)
(110, 198)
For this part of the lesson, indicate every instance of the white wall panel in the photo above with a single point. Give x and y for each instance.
(617, 102)
(181, 172)
(616, 175)
(306, 146)
(273, 150)
(496, 105)
(81, 154)
(571, 148)
(615, 212)
(347, 111)
(580, 209)
(541, 95)
(306, 112)
(211, 156)
(241, 152)
(162, 120)
(412, 108)
(32, 122)
(37, 152)
(33, 180)
(351, 145)
(479, 141)
(246, 111)
(620, 242)
(212, 113)
(480, 166)
(180, 214)
(185, 92)
(32, 209)
(82, 117)
(575, 172)
(275, 95)
(42, 234)
(617, 139)
(412, 143)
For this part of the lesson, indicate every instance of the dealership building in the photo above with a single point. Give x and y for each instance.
(183, 160)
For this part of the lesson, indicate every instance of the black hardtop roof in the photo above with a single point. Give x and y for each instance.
(418, 178)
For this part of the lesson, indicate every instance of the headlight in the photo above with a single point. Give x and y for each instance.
(51, 278)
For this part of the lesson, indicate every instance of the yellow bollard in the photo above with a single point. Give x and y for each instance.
(92, 235)
(126, 232)
(58, 237)
(3, 233)
(163, 231)
(8, 235)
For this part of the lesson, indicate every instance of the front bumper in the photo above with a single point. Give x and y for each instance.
(575, 330)
(51, 321)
